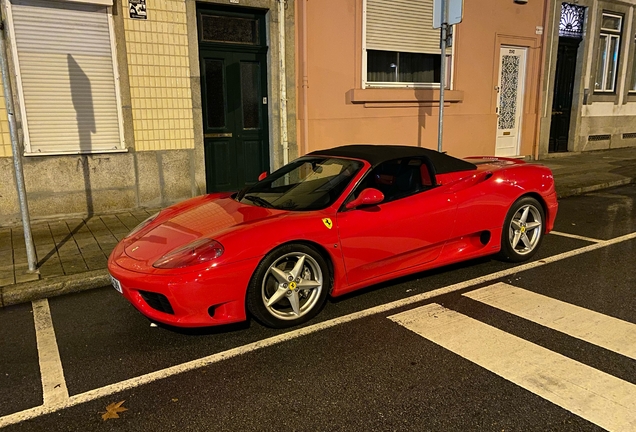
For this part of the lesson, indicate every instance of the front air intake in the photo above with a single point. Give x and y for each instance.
(157, 301)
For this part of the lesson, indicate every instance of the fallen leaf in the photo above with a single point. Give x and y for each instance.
(113, 409)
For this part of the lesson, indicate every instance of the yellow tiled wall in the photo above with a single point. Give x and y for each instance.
(159, 73)
(5, 138)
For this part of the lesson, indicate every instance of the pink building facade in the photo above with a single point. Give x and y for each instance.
(368, 71)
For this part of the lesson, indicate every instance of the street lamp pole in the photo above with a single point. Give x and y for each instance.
(442, 77)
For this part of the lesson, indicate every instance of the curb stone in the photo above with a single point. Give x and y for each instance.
(52, 287)
(596, 187)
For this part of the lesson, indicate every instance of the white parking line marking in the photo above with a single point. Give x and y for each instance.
(593, 327)
(574, 236)
(596, 396)
(215, 358)
(53, 383)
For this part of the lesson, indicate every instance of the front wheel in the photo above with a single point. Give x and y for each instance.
(522, 231)
(289, 287)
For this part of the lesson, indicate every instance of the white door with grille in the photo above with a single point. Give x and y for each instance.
(512, 73)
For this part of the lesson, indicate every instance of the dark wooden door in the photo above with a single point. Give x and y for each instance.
(562, 98)
(234, 101)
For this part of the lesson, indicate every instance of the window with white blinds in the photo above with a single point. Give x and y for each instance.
(402, 47)
(66, 77)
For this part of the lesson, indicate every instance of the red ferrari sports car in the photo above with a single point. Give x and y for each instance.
(328, 223)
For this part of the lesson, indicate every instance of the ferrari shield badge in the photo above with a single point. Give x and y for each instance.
(327, 222)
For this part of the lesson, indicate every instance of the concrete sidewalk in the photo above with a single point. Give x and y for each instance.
(72, 253)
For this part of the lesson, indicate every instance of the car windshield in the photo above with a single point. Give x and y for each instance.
(309, 183)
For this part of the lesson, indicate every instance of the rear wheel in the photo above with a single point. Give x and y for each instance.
(289, 287)
(522, 231)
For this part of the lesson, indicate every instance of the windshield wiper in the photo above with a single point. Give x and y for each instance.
(258, 200)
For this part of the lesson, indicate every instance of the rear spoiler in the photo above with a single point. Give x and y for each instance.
(496, 158)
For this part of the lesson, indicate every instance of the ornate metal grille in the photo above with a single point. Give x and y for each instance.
(572, 19)
(508, 97)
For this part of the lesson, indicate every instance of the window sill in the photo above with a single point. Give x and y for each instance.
(74, 152)
(403, 97)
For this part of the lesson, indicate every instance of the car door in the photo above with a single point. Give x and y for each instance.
(407, 229)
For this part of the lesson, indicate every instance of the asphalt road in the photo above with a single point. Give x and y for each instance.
(362, 364)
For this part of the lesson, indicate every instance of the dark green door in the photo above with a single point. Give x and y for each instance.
(234, 96)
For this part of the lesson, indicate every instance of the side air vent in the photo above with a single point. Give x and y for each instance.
(630, 135)
(599, 137)
(484, 237)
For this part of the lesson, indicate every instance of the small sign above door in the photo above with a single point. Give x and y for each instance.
(137, 9)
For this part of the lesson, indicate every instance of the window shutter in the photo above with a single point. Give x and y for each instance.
(66, 72)
(402, 25)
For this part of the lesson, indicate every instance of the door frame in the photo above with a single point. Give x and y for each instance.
(575, 44)
(521, 99)
(260, 50)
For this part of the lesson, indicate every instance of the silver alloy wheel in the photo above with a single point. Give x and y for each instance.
(525, 229)
(292, 286)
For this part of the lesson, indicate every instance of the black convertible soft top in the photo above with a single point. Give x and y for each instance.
(376, 154)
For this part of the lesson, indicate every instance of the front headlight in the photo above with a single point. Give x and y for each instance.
(143, 224)
(197, 252)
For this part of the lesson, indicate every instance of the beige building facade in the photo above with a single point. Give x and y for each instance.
(590, 77)
(117, 103)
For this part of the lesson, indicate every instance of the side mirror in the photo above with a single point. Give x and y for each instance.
(369, 196)
(262, 176)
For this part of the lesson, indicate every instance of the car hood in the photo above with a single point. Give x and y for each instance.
(207, 220)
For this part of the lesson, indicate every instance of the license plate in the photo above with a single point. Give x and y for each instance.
(116, 284)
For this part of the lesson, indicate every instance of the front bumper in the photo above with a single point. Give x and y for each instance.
(212, 297)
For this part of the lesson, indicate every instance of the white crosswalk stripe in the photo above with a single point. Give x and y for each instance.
(596, 396)
(602, 330)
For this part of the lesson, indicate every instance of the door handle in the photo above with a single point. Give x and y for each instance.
(218, 135)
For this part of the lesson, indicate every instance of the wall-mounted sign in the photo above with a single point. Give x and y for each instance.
(137, 9)
(454, 12)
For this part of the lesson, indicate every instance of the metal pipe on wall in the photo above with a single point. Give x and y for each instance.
(305, 85)
(541, 96)
(283, 80)
(17, 154)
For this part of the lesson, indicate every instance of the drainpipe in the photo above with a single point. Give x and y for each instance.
(543, 77)
(17, 156)
(305, 80)
(283, 80)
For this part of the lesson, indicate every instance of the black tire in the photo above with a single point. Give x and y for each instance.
(266, 282)
(526, 245)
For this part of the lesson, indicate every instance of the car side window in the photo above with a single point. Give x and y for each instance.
(398, 178)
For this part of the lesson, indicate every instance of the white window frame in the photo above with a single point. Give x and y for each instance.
(632, 77)
(606, 36)
(20, 90)
(450, 72)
